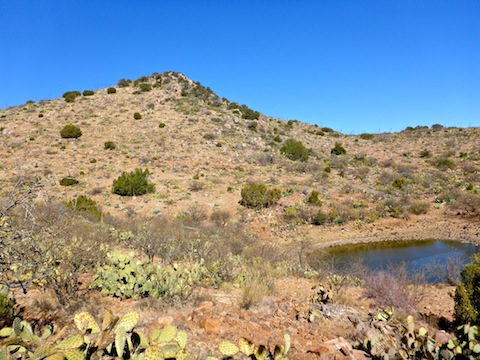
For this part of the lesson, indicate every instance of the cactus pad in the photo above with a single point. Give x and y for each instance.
(167, 334)
(182, 339)
(86, 323)
(227, 348)
(74, 355)
(72, 342)
(246, 346)
(153, 353)
(128, 321)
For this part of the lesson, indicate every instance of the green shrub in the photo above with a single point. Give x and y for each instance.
(320, 218)
(294, 150)
(366, 136)
(252, 126)
(444, 163)
(68, 181)
(133, 183)
(257, 196)
(313, 198)
(70, 131)
(70, 96)
(419, 207)
(145, 87)
(88, 92)
(137, 116)
(425, 153)
(86, 205)
(467, 301)
(161, 125)
(111, 90)
(399, 183)
(338, 149)
(124, 83)
(109, 145)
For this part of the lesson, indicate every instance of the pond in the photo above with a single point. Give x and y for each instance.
(431, 257)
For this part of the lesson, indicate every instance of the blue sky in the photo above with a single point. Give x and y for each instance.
(353, 65)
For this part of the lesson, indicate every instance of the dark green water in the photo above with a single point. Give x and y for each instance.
(418, 256)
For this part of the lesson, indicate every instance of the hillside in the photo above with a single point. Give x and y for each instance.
(207, 151)
(232, 266)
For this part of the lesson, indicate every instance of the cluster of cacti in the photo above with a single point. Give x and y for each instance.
(321, 295)
(126, 277)
(115, 337)
(256, 352)
(392, 339)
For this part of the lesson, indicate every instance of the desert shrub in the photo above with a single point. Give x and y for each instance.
(137, 116)
(295, 150)
(70, 96)
(399, 183)
(394, 288)
(425, 153)
(252, 126)
(437, 127)
(366, 136)
(145, 87)
(109, 145)
(111, 90)
(68, 181)
(313, 198)
(338, 149)
(161, 125)
(444, 163)
(419, 207)
(124, 83)
(54, 249)
(277, 139)
(258, 196)
(391, 207)
(320, 218)
(70, 131)
(85, 205)
(220, 217)
(88, 92)
(133, 183)
(467, 301)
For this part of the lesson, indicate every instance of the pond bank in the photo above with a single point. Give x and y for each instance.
(419, 228)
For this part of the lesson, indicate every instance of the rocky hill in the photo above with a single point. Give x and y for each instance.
(201, 151)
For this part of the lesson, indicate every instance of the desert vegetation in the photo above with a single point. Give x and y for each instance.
(206, 203)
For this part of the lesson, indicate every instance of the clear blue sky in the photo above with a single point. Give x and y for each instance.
(353, 65)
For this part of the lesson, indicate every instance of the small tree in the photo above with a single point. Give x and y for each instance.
(294, 150)
(137, 116)
(133, 183)
(70, 131)
(111, 90)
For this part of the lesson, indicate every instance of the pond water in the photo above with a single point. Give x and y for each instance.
(418, 256)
